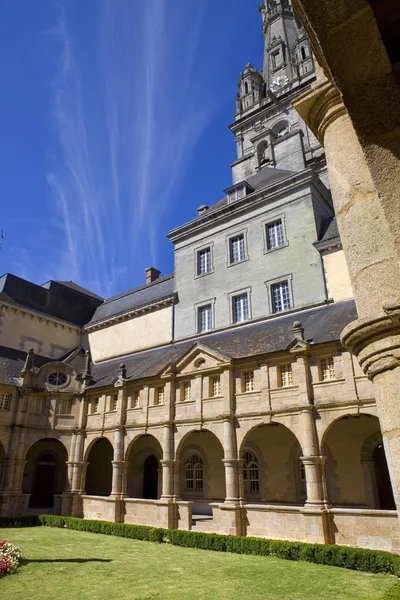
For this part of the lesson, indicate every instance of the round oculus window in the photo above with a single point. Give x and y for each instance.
(57, 379)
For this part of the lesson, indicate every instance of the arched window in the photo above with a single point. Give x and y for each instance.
(246, 88)
(251, 476)
(303, 53)
(194, 472)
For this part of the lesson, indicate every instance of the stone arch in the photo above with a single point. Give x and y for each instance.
(143, 455)
(100, 454)
(323, 432)
(378, 487)
(212, 452)
(281, 128)
(275, 442)
(349, 477)
(45, 473)
(263, 155)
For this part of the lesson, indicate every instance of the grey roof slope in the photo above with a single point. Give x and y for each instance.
(141, 296)
(329, 234)
(12, 362)
(70, 303)
(322, 324)
(74, 286)
(265, 177)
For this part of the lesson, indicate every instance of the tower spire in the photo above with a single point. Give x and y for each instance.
(281, 31)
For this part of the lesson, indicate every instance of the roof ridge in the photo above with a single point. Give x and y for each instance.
(139, 287)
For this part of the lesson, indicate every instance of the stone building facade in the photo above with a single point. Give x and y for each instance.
(218, 398)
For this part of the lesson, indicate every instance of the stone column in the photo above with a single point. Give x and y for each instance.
(78, 461)
(362, 147)
(230, 462)
(168, 463)
(117, 463)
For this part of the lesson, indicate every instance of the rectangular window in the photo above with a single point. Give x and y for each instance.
(205, 318)
(65, 407)
(237, 249)
(276, 59)
(114, 402)
(204, 261)
(160, 395)
(248, 381)
(40, 405)
(280, 296)
(94, 406)
(275, 236)
(135, 399)
(240, 308)
(5, 401)
(187, 391)
(215, 386)
(286, 375)
(327, 368)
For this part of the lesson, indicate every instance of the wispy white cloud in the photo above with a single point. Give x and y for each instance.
(125, 135)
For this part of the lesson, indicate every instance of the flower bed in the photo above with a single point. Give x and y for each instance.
(10, 557)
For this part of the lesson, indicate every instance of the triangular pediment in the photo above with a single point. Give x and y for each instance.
(298, 346)
(199, 357)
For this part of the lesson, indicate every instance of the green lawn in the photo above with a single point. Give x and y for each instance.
(72, 565)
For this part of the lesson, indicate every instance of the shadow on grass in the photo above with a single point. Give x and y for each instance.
(26, 561)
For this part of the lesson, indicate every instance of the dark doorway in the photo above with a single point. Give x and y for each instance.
(44, 483)
(385, 493)
(99, 469)
(150, 478)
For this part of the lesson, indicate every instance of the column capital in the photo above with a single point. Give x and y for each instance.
(319, 107)
(375, 341)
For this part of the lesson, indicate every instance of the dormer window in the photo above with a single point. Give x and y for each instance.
(238, 191)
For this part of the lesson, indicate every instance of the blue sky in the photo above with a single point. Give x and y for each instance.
(114, 119)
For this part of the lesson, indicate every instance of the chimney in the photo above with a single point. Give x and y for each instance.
(152, 274)
(202, 209)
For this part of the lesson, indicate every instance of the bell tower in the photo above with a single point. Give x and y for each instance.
(281, 31)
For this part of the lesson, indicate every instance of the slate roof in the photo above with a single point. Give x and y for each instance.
(321, 325)
(74, 286)
(63, 300)
(12, 362)
(329, 234)
(267, 176)
(158, 290)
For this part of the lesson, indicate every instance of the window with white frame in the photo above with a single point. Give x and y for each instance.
(205, 318)
(94, 406)
(160, 394)
(5, 401)
(240, 308)
(237, 194)
(40, 405)
(280, 296)
(204, 261)
(65, 407)
(114, 402)
(135, 399)
(251, 477)
(215, 387)
(286, 375)
(237, 249)
(187, 390)
(194, 472)
(248, 381)
(327, 366)
(275, 237)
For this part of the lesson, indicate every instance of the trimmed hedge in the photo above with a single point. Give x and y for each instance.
(358, 559)
(27, 521)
